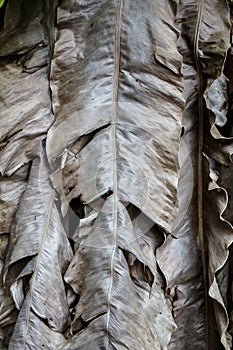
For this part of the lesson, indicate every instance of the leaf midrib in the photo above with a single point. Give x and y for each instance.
(200, 189)
(117, 48)
(44, 236)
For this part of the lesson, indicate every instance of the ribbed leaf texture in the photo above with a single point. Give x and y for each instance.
(116, 176)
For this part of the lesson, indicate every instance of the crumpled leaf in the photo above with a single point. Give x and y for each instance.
(11, 189)
(218, 250)
(116, 83)
(25, 116)
(38, 245)
(23, 29)
(25, 108)
(8, 312)
(123, 105)
(200, 236)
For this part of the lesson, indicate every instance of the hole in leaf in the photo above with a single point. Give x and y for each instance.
(78, 207)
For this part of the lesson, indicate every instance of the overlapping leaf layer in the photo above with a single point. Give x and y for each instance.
(115, 161)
